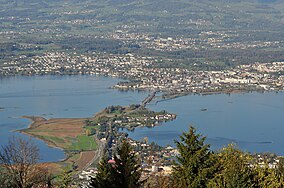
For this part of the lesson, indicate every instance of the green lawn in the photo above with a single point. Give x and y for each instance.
(84, 143)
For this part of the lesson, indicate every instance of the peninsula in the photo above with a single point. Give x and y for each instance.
(84, 139)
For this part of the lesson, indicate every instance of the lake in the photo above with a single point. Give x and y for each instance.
(56, 97)
(253, 120)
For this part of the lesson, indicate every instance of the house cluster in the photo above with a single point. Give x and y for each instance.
(154, 159)
(85, 176)
(268, 76)
(203, 40)
(145, 74)
(130, 121)
(267, 160)
(144, 120)
(153, 162)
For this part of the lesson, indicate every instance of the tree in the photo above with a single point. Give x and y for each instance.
(195, 163)
(127, 167)
(159, 181)
(280, 171)
(5, 180)
(65, 179)
(88, 122)
(19, 165)
(266, 177)
(234, 169)
(105, 176)
(125, 172)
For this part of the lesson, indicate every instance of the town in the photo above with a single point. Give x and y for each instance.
(144, 73)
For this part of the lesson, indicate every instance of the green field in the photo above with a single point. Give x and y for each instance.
(84, 143)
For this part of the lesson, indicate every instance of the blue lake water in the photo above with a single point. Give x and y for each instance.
(56, 97)
(253, 120)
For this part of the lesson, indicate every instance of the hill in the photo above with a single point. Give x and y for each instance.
(223, 32)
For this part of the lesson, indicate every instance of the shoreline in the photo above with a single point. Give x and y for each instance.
(34, 120)
(37, 121)
(147, 89)
(65, 133)
(48, 142)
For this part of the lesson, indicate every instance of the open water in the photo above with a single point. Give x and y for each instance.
(56, 97)
(254, 121)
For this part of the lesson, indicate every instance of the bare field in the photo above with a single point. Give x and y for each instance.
(84, 159)
(57, 132)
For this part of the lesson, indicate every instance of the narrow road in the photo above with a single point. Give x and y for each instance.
(98, 154)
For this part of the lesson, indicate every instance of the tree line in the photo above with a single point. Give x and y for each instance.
(196, 166)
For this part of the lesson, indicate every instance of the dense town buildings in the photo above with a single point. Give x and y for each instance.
(143, 73)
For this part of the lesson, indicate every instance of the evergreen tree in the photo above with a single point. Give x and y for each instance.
(159, 181)
(234, 171)
(124, 173)
(65, 179)
(195, 164)
(280, 171)
(127, 168)
(105, 177)
(266, 177)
